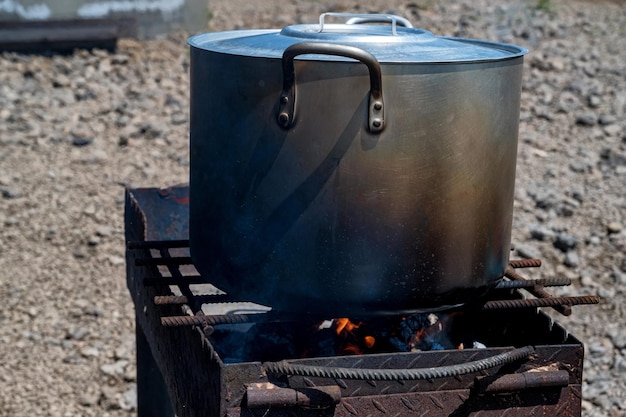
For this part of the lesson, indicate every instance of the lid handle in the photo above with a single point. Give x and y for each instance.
(354, 18)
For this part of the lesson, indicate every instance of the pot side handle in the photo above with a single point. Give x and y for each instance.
(287, 104)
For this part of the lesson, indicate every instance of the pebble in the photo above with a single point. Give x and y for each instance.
(613, 130)
(80, 141)
(565, 242)
(89, 399)
(586, 119)
(620, 365)
(571, 259)
(128, 399)
(614, 227)
(528, 252)
(618, 337)
(594, 101)
(89, 352)
(542, 233)
(10, 192)
(80, 253)
(114, 369)
(78, 333)
(104, 231)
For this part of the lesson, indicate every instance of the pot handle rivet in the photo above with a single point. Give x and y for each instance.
(283, 119)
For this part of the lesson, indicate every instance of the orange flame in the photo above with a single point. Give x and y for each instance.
(350, 342)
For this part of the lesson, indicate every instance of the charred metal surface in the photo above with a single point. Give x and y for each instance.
(200, 383)
(554, 402)
(568, 356)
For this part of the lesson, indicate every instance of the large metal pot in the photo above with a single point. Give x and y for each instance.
(352, 168)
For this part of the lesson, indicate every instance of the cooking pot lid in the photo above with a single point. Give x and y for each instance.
(388, 43)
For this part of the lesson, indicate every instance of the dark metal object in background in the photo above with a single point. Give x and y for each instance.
(63, 36)
(200, 383)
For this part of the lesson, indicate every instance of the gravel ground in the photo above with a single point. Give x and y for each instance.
(76, 129)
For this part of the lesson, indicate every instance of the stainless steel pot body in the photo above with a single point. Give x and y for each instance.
(318, 212)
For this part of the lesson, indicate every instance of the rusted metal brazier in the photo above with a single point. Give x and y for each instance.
(352, 167)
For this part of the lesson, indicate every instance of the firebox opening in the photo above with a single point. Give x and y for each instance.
(272, 341)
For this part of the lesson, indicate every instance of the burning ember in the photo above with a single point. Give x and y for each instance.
(351, 339)
(424, 332)
(342, 336)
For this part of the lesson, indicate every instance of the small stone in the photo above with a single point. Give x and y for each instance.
(587, 280)
(93, 311)
(568, 102)
(597, 349)
(124, 351)
(620, 365)
(606, 292)
(542, 233)
(80, 253)
(567, 206)
(618, 339)
(586, 119)
(613, 158)
(114, 369)
(88, 399)
(571, 260)
(80, 141)
(10, 193)
(613, 130)
(545, 200)
(51, 233)
(128, 399)
(614, 227)
(109, 398)
(578, 195)
(116, 260)
(528, 252)
(618, 276)
(90, 352)
(11, 221)
(594, 240)
(72, 360)
(103, 231)
(579, 167)
(93, 241)
(179, 118)
(594, 101)
(78, 333)
(606, 119)
(61, 80)
(565, 242)
(119, 59)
